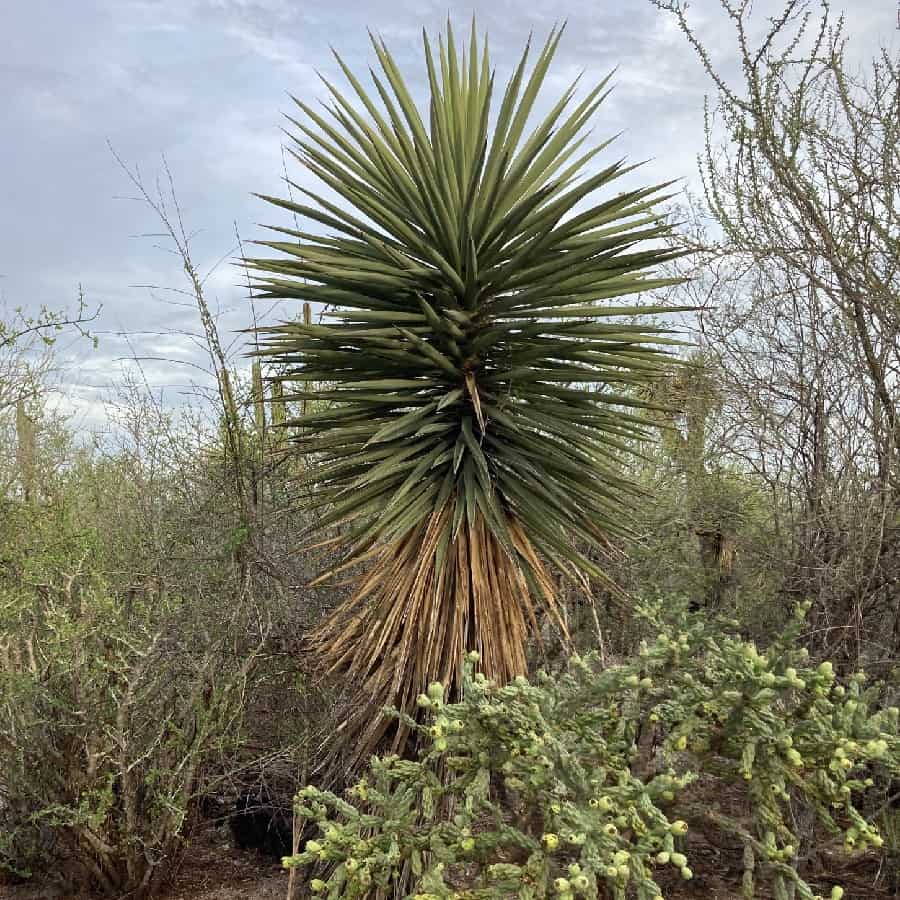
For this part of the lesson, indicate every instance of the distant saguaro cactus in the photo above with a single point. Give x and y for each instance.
(259, 409)
(26, 450)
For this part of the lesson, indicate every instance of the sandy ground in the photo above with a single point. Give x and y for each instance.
(214, 870)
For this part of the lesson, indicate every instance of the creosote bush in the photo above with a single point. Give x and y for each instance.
(542, 789)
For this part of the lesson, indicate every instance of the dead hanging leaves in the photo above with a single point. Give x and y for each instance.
(423, 602)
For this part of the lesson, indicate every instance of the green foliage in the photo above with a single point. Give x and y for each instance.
(107, 712)
(19, 327)
(706, 534)
(137, 622)
(547, 789)
(135, 636)
(471, 306)
(672, 554)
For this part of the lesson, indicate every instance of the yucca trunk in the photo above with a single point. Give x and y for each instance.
(423, 603)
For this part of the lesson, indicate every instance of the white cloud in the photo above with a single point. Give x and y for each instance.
(205, 81)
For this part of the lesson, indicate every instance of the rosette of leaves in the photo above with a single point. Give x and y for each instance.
(479, 387)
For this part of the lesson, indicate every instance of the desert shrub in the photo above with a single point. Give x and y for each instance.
(552, 789)
(111, 704)
(151, 602)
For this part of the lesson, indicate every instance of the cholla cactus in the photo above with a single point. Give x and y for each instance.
(778, 724)
(530, 791)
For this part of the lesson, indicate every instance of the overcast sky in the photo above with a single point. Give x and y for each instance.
(205, 82)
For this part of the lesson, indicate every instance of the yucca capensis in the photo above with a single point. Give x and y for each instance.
(481, 392)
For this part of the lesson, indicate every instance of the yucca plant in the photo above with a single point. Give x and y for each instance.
(481, 390)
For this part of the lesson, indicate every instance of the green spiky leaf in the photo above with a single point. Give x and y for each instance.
(476, 372)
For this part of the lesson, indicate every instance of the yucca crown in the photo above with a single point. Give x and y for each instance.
(480, 390)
